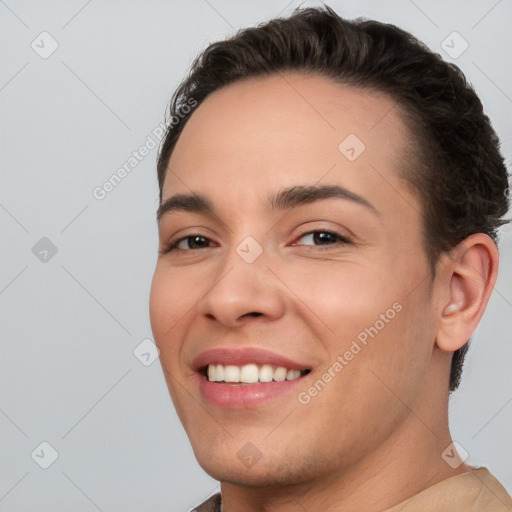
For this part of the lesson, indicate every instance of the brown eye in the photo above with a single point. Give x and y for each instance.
(194, 242)
(188, 243)
(323, 238)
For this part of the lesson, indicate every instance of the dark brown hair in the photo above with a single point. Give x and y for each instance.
(458, 171)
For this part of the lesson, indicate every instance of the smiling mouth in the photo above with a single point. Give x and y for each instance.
(247, 374)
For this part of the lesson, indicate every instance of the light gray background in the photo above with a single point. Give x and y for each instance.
(70, 325)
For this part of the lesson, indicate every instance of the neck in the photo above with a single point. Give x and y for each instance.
(404, 464)
(375, 483)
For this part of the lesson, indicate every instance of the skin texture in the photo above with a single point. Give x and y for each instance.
(373, 436)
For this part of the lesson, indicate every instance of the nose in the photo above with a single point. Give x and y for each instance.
(243, 292)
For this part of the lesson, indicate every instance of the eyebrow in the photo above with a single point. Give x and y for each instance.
(184, 202)
(300, 195)
(292, 197)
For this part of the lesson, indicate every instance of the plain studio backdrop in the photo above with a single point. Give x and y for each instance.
(84, 84)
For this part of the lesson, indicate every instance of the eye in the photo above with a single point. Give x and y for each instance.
(323, 238)
(188, 243)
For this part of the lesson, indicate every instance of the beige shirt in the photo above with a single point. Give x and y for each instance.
(474, 491)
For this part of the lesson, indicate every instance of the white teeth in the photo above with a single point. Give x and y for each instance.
(231, 374)
(215, 373)
(219, 373)
(292, 374)
(266, 373)
(280, 374)
(250, 373)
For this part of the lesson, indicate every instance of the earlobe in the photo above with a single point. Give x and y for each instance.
(470, 277)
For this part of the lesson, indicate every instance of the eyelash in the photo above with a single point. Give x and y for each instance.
(173, 245)
(341, 240)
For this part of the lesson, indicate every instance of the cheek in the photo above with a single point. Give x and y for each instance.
(158, 304)
(370, 315)
(167, 309)
(168, 303)
(347, 297)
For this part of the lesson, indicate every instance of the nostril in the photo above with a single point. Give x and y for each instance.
(254, 313)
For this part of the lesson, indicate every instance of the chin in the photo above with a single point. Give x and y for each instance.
(277, 470)
(248, 477)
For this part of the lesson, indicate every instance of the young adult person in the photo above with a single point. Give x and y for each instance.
(330, 195)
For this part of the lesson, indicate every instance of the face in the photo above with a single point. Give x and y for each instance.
(330, 286)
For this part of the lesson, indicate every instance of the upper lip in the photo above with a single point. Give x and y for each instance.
(242, 356)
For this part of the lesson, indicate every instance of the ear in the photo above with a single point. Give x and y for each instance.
(467, 280)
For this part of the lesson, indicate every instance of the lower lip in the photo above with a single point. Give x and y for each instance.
(245, 397)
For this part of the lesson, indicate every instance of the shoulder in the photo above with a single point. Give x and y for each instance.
(474, 491)
(212, 504)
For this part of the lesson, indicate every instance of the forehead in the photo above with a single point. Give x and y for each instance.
(289, 129)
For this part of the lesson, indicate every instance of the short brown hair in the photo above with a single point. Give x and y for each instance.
(458, 173)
